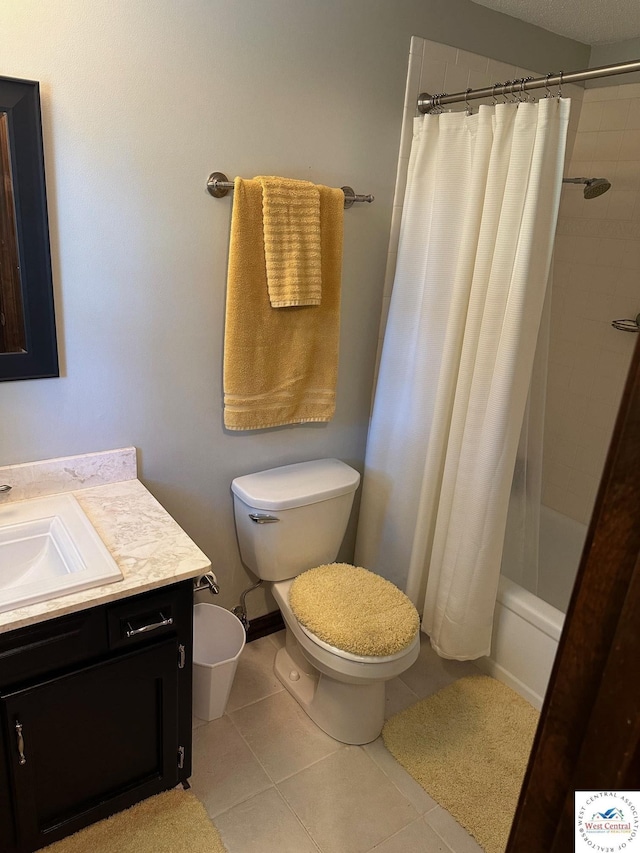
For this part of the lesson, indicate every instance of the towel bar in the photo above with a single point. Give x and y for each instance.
(219, 185)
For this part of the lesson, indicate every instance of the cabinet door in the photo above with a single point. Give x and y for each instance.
(92, 742)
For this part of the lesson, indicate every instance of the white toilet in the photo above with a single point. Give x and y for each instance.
(288, 520)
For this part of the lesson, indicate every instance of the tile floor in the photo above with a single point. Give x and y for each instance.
(274, 783)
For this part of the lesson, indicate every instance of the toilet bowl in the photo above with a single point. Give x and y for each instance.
(291, 519)
(343, 693)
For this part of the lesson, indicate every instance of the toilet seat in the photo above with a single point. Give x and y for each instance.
(354, 610)
(341, 653)
(341, 665)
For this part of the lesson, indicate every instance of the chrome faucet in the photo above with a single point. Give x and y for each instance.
(5, 488)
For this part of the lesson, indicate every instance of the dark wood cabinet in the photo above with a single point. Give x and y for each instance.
(87, 729)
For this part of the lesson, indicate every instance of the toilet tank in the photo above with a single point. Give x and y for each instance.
(300, 515)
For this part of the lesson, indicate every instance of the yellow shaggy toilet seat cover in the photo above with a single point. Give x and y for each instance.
(354, 610)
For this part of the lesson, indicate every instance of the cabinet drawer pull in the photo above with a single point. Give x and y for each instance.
(20, 740)
(131, 632)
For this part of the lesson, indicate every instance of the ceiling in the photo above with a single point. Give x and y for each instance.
(588, 21)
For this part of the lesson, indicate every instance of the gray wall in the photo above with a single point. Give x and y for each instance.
(141, 101)
(609, 54)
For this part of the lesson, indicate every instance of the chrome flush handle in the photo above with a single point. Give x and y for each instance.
(262, 518)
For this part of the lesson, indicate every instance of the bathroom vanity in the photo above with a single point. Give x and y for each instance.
(95, 687)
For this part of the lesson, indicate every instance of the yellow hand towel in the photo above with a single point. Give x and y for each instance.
(291, 222)
(280, 365)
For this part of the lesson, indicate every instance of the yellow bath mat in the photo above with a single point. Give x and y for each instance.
(354, 610)
(468, 747)
(172, 822)
(280, 364)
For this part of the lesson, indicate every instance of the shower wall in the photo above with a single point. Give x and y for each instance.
(596, 280)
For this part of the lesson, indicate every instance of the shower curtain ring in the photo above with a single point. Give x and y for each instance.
(523, 95)
(493, 94)
(560, 85)
(466, 101)
(529, 96)
(546, 84)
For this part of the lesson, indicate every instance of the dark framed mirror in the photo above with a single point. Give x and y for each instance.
(28, 348)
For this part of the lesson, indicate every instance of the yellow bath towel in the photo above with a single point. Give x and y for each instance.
(291, 224)
(280, 364)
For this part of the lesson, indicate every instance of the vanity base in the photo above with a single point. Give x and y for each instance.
(95, 714)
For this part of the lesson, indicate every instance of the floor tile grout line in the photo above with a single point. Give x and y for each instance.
(396, 786)
(284, 778)
(402, 828)
(401, 793)
(312, 764)
(266, 696)
(275, 784)
(269, 776)
(297, 817)
(397, 832)
(439, 834)
(408, 688)
(248, 745)
(262, 767)
(255, 701)
(308, 830)
(269, 669)
(238, 803)
(444, 841)
(257, 794)
(300, 770)
(382, 840)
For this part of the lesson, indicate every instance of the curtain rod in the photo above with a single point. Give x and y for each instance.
(427, 102)
(219, 185)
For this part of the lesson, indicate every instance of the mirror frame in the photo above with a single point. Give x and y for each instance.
(20, 100)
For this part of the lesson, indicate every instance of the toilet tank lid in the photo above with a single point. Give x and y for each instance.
(295, 485)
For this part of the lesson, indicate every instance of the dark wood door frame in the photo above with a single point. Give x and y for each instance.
(589, 732)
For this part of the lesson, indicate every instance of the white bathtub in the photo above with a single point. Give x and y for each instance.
(526, 629)
(525, 638)
(561, 543)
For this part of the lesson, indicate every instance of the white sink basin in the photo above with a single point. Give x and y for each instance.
(48, 548)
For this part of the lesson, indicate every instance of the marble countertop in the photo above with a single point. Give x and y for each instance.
(148, 545)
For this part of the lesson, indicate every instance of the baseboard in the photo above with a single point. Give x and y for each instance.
(261, 626)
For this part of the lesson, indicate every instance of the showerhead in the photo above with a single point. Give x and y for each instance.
(593, 187)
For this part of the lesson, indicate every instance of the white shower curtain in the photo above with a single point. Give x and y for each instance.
(473, 260)
(520, 555)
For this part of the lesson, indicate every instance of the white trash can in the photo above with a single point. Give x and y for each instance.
(218, 640)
